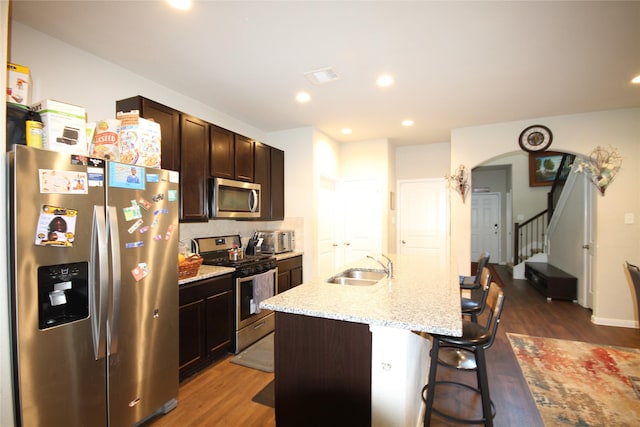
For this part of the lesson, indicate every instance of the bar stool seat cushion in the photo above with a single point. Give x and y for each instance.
(469, 305)
(473, 334)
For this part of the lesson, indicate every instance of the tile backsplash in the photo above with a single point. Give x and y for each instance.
(224, 227)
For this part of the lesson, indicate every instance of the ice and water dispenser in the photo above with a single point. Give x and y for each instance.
(63, 293)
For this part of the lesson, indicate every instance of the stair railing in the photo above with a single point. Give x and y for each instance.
(558, 183)
(529, 237)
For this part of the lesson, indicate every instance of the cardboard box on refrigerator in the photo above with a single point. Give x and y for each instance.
(140, 140)
(64, 127)
(18, 84)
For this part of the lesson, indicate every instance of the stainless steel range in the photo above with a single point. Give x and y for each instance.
(255, 278)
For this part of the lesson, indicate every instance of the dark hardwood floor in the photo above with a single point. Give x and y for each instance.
(221, 395)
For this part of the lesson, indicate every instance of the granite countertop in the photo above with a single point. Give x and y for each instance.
(424, 296)
(286, 255)
(207, 271)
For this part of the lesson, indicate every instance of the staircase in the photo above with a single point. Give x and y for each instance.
(531, 236)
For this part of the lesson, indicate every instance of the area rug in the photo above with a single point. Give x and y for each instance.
(267, 396)
(258, 356)
(580, 384)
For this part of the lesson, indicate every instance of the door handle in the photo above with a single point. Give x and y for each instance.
(586, 246)
(100, 284)
(403, 242)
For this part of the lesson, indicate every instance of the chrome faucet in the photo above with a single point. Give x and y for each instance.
(388, 268)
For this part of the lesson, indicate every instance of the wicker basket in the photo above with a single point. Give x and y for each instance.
(190, 267)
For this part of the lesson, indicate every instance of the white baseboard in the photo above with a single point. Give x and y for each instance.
(622, 323)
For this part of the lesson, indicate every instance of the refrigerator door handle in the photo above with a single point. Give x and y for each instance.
(114, 236)
(100, 282)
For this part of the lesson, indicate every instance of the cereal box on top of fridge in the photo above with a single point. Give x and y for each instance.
(64, 126)
(106, 140)
(140, 140)
(18, 84)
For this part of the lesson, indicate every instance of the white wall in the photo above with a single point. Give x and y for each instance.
(615, 241)
(527, 201)
(370, 160)
(65, 73)
(300, 188)
(422, 161)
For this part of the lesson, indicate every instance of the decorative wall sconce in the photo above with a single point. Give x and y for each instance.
(602, 165)
(459, 181)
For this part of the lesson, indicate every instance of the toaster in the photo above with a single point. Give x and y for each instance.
(277, 241)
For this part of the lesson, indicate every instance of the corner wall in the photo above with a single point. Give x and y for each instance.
(615, 241)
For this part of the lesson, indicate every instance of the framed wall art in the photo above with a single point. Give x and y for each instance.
(543, 167)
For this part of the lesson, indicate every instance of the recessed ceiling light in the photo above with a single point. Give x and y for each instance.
(303, 97)
(384, 80)
(636, 79)
(346, 131)
(407, 122)
(323, 75)
(180, 4)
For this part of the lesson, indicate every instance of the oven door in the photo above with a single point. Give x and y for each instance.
(247, 295)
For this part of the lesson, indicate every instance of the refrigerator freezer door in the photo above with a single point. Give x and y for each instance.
(143, 328)
(58, 380)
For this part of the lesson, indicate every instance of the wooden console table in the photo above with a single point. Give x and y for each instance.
(552, 282)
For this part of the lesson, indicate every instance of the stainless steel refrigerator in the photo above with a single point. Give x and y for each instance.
(94, 290)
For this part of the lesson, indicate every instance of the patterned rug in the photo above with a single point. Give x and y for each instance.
(579, 384)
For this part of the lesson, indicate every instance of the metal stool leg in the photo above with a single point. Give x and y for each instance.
(483, 385)
(431, 385)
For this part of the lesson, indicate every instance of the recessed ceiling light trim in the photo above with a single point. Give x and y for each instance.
(321, 76)
(303, 97)
(384, 80)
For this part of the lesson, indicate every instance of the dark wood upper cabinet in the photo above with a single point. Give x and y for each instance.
(222, 150)
(200, 150)
(169, 120)
(262, 176)
(194, 169)
(243, 160)
(277, 184)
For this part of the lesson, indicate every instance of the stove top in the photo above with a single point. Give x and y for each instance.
(216, 259)
(215, 251)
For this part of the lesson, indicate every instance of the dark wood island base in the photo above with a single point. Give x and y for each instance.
(322, 372)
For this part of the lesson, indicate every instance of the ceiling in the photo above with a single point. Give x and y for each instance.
(455, 64)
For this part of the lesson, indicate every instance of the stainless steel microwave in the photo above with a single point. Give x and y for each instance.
(233, 199)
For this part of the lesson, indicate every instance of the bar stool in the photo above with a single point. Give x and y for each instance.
(473, 282)
(476, 339)
(472, 307)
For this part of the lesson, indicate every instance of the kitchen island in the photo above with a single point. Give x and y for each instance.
(358, 355)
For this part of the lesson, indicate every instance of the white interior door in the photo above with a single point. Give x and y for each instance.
(586, 281)
(423, 217)
(485, 225)
(327, 243)
(361, 217)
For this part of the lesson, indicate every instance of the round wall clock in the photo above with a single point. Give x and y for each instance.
(535, 138)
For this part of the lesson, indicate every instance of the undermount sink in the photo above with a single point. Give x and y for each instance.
(358, 277)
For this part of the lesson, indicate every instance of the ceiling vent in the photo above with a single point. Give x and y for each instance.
(321, 76)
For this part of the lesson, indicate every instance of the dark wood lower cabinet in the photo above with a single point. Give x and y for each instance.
(289, 273)
(206, 323)
(322, 372)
